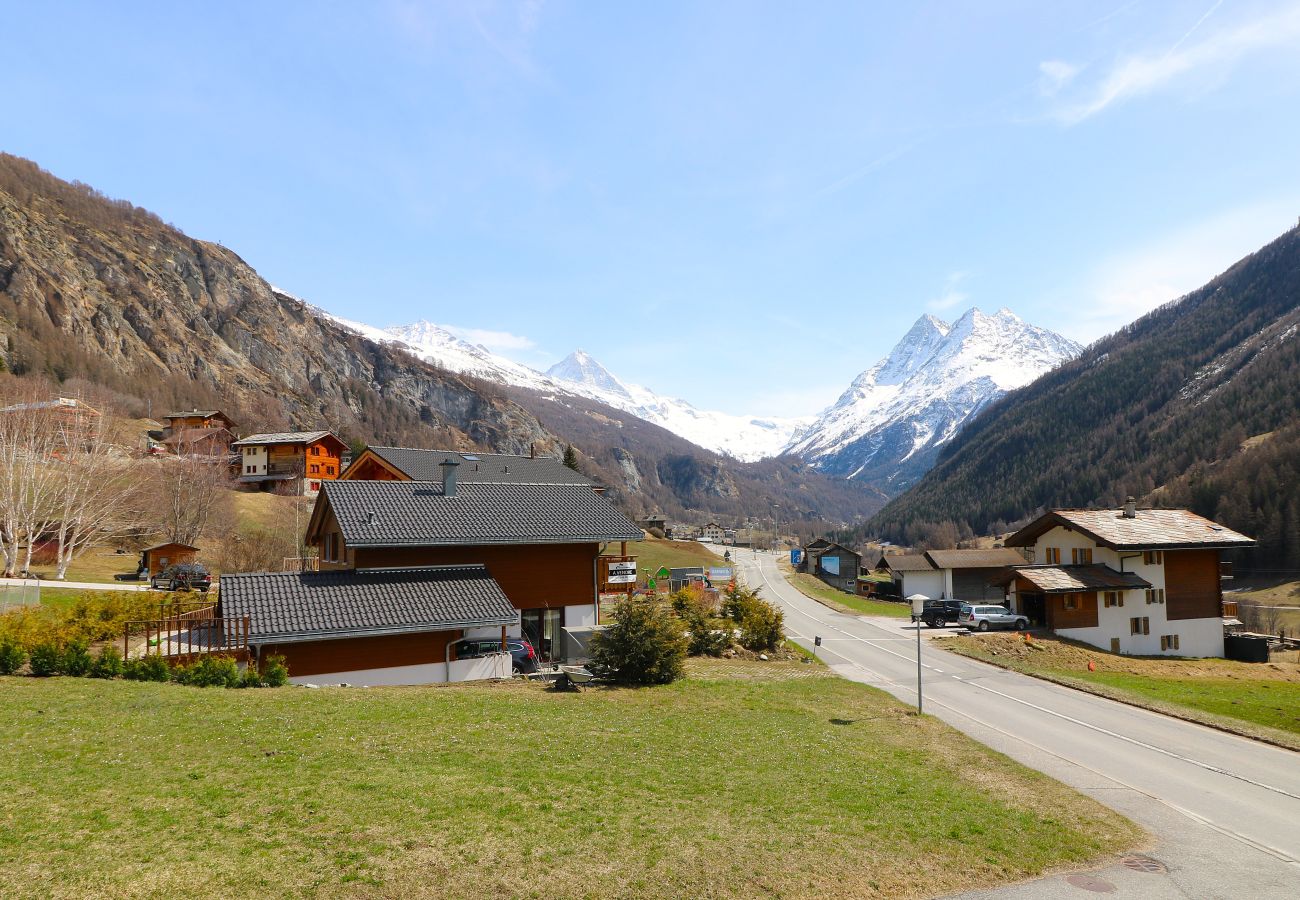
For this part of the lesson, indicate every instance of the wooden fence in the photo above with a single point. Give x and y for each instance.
(190, 634)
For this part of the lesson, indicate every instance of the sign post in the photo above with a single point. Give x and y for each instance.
(817, 642)
(918, 610)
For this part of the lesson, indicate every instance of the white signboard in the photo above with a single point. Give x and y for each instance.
(621, 573)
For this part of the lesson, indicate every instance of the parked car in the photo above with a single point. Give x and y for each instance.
(939, 613)
(983, 618)
(182, 577)
(523, 658)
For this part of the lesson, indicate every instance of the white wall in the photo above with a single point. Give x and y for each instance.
(1196, 637)
(255, 457)
(494, 631)
(928, 583)
(584, 614)
(495, 666)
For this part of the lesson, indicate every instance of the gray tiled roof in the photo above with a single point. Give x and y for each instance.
(1150, 529)
(416, 514)
(282, 437)
(296, 606)
(995, 558)
(481, 468)
(908, 563)
(1069, 579)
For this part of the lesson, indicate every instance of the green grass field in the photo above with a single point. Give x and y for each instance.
(1255, 699)
(812, 586)
(744, 779)
(652, 553)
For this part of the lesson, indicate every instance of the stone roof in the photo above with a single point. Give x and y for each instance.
(299, 606)
(1149, 529)
(996, 558)
(908, 563)
(283, 437)
(205, 413)
(483, 468)
(417, 514)
(1072, 579)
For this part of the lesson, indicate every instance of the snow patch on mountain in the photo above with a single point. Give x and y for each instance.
(746, 438)
(891, 421)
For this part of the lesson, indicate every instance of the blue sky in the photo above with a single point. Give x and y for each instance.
(743, 204)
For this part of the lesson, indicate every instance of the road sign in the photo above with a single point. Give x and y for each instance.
(621, 573)
(718, 573)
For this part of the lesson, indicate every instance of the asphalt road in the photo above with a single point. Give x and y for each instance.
(1224, 811)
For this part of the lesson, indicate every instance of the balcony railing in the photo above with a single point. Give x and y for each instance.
(1230, 609)
(1225, 570)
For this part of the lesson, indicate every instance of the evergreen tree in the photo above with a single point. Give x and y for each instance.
(571, 457)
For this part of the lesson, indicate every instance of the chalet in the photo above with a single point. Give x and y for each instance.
(972, 574)
(296, 462)
(811, 550)
(65, 409)
(1139, 581)
(713, 533)
(836, 565)
(212, 442)
(410, 567)
(650, 523)
(204, 419)
(158, 557)
(407, 464)
(913, 573)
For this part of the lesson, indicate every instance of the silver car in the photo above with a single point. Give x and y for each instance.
(983, 618)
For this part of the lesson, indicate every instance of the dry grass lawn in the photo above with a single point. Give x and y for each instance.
(743, 780)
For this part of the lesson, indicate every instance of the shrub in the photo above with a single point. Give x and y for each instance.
(645, 645)
(148, 668)
(46, 659)
(275, 673)
(251, 677)
(108, 664)
(707, 634)
(762, 625)
(209, 671)
(12, 656)
(76, 659)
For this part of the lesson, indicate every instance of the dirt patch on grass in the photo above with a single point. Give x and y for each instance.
(1052, 653)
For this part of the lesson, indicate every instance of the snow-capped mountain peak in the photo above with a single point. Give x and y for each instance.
(891, 421)
(580, 369)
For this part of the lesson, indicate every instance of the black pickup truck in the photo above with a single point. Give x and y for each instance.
(939, 613)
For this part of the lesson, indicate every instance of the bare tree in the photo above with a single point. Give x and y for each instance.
(187, 490)
(31, 439)
(1258, 617)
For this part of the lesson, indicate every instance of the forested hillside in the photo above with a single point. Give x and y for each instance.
(1195, 404)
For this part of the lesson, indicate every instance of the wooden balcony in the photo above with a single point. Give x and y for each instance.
(1225, 570)
(1230, 609)
(187, 631)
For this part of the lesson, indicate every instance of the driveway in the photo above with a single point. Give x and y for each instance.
(1224, 811)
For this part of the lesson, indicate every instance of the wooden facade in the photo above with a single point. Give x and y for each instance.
(1193, 587)
(1082, 615)
(155, 559)
(369, 467)
(306, 658)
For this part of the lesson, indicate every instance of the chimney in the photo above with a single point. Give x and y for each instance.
(1130, 508)
(448, 467)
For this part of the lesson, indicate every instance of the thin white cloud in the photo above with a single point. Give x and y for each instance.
(1139, 75)
(492, 340)
(1055, 74)
(1125, 287)
(952, 294)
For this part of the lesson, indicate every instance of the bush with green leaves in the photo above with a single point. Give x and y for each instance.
(209, 671)
(12, 656)
(250, 678)
(108, 664)
(76, 659)
(152, 667)
(762, 625)
(707, 635)
(644, 645)
(46, 659)
(276, 672)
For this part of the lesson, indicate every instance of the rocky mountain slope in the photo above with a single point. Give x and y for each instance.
(95, 293)
(1194, 404)
(888, 426)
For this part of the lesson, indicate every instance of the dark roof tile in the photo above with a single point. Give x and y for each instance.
(480, 468)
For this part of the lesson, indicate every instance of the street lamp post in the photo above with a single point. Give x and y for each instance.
(918, 610)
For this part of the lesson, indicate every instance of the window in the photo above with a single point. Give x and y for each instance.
(1114, 598)
(1168, 642)
(315, 451)
(1052, 556)
(315, 469)
(1139, 625)
(1155, 595)
(329, 470)
(1082, 556)
(1071, 601)
(1114, 645)
(1152, 557)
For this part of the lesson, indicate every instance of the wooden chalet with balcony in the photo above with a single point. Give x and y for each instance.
(292, 462)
